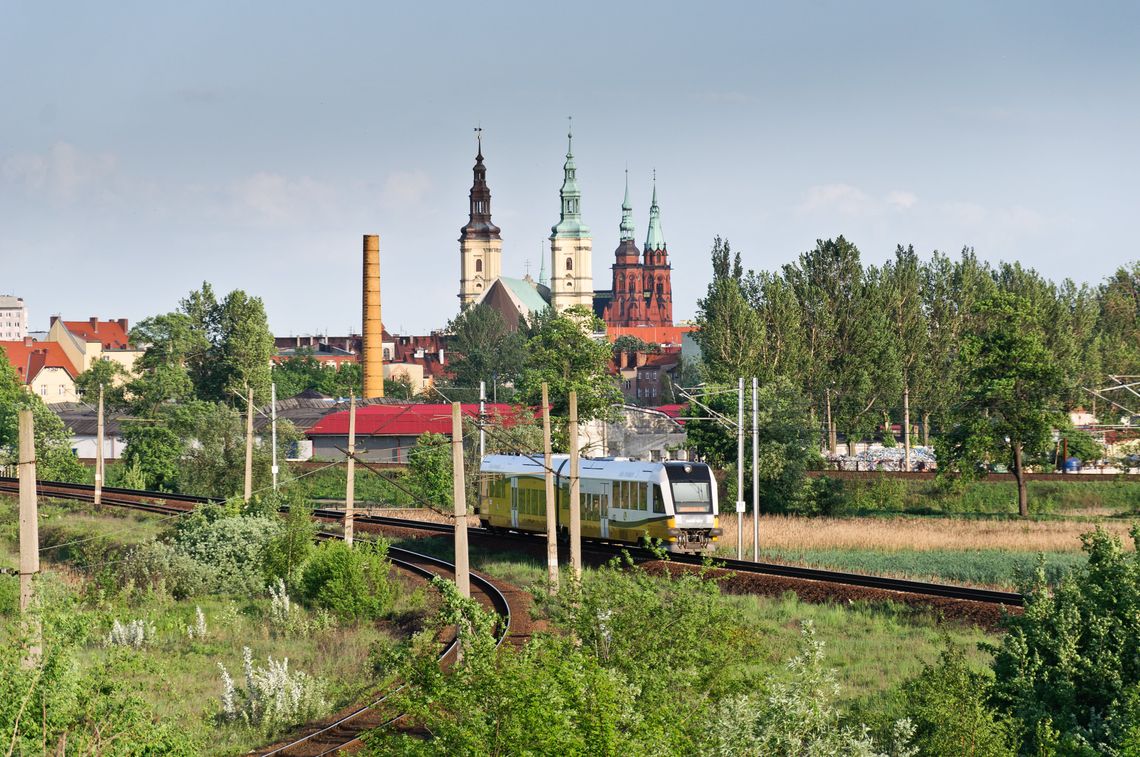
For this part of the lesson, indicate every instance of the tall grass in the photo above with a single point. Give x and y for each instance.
(901, 534)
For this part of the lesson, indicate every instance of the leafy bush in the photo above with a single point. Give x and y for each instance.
(273, 696)
(351, 582)
(286, 553)
(233, 546)
(949, 706)
(162, 568)
(429, 469)
(1069, 668)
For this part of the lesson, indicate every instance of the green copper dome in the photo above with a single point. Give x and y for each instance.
(570, 225)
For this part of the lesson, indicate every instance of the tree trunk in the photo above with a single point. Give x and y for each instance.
(1022, 490)
(831, 444)
(906, 428)
(926, 429)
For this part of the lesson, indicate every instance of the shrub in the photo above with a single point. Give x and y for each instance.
(949, 706)
(1070, 664)
(160, 567)
(273, 696)
(351, 582)
(286, 553)
(232, 545)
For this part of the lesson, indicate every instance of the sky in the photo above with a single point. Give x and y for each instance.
(146, 147)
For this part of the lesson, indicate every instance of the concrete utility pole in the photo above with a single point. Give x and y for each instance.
(755, 471)
(29, 530)
(459, 493)
(350, 472)
(273, 426)
(575, 489)
(740, 469)
(249, 446)
(98, 499)
(29, 517)
(551, 500)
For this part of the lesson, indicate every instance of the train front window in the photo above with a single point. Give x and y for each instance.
(692, 487)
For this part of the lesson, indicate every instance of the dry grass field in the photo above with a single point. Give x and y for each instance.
(789, 532)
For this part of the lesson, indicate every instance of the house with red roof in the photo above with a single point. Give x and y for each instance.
(44, 368)
(386, 433)
(93, 339)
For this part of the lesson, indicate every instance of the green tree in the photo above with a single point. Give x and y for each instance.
(430, 469)
(1011, 394)
(154, 452)
(399, 388)
(907, 328)
(728, 330)
(565, 353)
(484, 348)
(106, 375)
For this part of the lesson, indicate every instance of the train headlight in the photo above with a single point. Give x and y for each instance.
(674, 532)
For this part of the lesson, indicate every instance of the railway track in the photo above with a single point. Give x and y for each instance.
(345, 730)
(923, 588)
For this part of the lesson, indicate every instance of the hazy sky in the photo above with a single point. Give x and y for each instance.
(148, 146)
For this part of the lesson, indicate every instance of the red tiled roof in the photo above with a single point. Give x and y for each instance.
(111, 334)
(650, 334)
(673, 411)
(404, 420)
(30, 359)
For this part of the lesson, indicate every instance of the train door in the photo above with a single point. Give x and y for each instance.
(514, 503)
(604, 511)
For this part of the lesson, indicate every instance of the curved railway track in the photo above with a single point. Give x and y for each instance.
(344, 731)
(178, 503)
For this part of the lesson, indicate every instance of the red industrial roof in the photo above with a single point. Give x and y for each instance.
(111, 334)
(29, 358)
(404, 420)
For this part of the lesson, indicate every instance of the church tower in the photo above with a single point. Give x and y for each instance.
(657, 271)
(480, 248)
(627, 303)
(571, 260)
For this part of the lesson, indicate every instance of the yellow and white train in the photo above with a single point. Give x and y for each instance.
(621, 500)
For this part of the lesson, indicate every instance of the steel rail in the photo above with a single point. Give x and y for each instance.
(924, 588)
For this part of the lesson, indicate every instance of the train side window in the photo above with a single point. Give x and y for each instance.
(658, 500)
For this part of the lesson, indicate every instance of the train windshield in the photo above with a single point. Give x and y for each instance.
(692, 487)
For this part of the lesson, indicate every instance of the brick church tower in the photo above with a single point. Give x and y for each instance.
(642, 291)
(656, 273)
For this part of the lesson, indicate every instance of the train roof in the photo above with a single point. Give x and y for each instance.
(590, 468)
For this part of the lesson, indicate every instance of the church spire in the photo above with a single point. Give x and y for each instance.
(542, 265)
(655, 239)
(570, 223)
(479, 224)
(626, 214)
